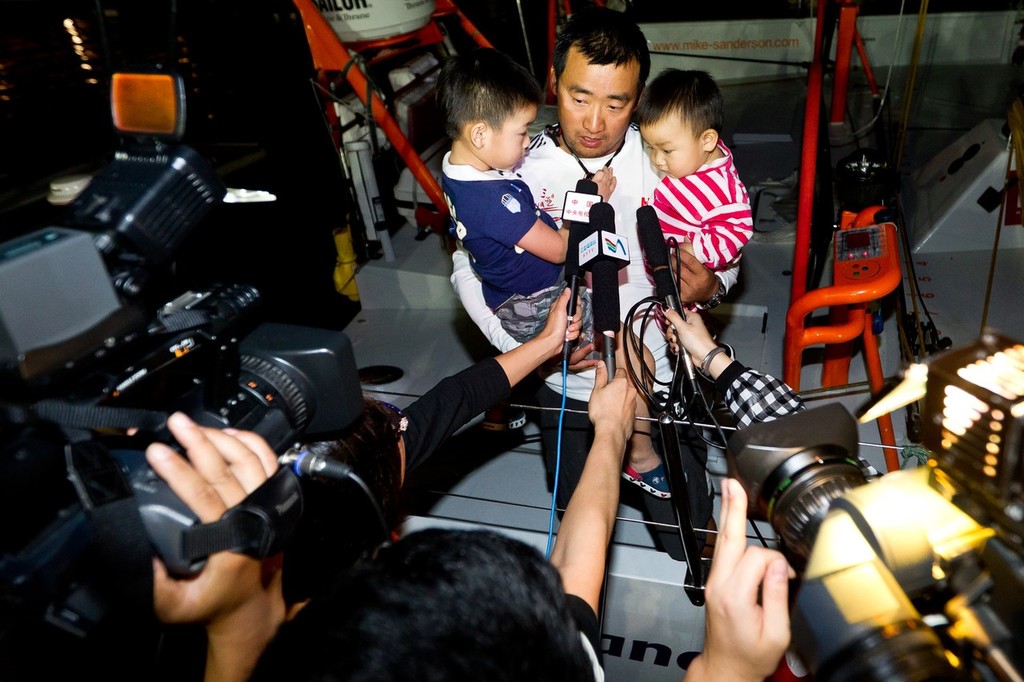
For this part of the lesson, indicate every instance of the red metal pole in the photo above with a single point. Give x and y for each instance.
(329, 54)
(446, 7)
(844, 50)
(819, 30)
(808, 168)
(863, 54)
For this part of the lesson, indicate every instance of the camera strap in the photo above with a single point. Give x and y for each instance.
(259, 526)
(82, 417)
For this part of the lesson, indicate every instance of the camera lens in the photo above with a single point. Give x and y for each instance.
(791, 481)
(906, 651)
(799, 492)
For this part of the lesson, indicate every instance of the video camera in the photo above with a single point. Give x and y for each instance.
(918, 575)
(84, 358)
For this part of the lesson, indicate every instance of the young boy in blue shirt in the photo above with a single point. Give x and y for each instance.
(488, 102)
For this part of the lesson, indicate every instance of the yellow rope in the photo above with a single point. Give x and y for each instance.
(901, 141)
(908, 87)
(1015, 117)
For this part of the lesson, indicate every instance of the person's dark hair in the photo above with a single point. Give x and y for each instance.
(603, 36)
(437, 605)
(693, 96)
(483, 85)
(338, 523)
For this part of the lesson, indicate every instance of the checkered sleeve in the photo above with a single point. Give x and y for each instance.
(754, 397)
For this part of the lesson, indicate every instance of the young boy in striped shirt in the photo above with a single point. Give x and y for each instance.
(701, 201)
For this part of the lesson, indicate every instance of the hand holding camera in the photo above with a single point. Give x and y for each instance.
(237, 597)
(747, 601)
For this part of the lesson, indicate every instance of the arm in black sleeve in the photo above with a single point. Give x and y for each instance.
(450, 405)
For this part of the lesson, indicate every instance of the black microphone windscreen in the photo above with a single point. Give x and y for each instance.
(648, 229)
(605, 301)
(602, 217)
(652, 240)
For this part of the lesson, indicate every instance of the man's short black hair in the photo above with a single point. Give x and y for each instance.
(439, 604)
(483, 85)
(693, 96)
(603, 36)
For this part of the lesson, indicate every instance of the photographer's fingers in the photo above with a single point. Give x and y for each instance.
(249, 457)
(186, 482)
(260, 447)
(775, 602)
(208, 460)
(732, 538)
(750, 572)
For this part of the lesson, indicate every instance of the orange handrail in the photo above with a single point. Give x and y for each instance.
(847, 300)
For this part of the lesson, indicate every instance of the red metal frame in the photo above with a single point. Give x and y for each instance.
(847, 37)
(849, 319)
(331, 55)
(552, 34)
(805, 187)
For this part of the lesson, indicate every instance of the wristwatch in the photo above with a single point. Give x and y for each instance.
(715, 299)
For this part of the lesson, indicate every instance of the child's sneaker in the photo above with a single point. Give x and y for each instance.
(654, 481)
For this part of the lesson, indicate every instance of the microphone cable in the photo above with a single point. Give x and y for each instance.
(558, 461)
(682, 409)
(574, 280)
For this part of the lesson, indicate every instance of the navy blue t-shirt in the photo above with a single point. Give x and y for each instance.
(491, 213)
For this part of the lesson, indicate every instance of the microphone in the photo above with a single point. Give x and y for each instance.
(652, 241)
(586, 192)
(604, 253)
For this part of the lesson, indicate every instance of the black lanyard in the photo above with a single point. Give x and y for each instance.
(555, 131)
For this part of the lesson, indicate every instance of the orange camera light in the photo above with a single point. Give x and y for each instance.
(147, 104)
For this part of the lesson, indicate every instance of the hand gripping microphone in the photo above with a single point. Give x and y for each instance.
(652, 241)
(603, 253)
(575, 218)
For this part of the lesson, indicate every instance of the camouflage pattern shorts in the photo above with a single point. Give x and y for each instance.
(523, 317)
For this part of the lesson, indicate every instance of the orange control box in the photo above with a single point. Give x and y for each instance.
(867, 257)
